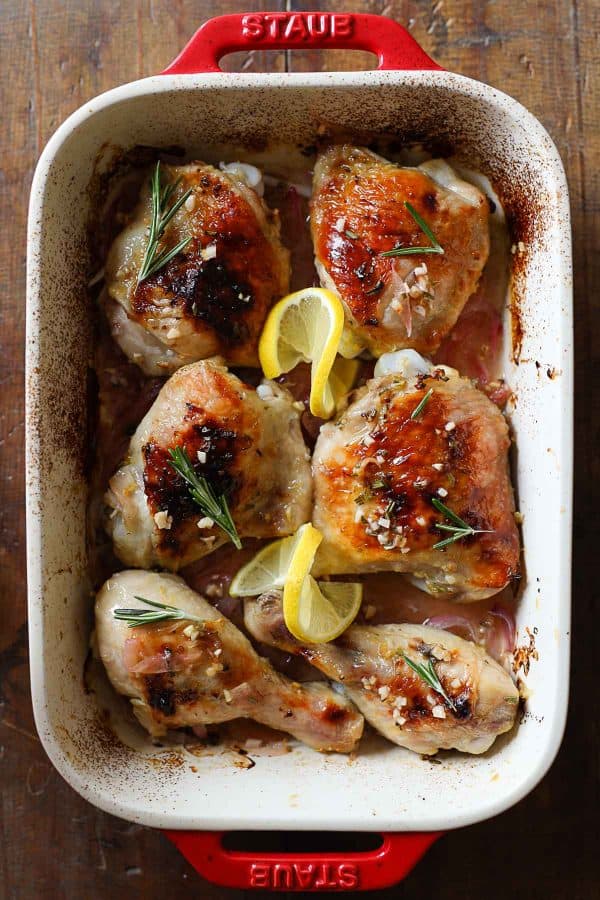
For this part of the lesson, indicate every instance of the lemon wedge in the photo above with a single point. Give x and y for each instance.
(306, 327)
(269, 568)
(316, 613)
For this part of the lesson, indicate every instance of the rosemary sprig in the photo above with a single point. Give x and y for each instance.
(459, 530)
(430, 676)
(411, 251)
(203, 494)
(162, 612)
(421, 406)
(162, 214)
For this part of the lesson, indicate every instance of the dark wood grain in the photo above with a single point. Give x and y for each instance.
(55, 54)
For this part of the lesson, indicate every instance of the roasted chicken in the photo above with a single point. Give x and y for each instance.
(359, 211)
(213, 296)
(248, 445)
(474, 702)
(417, 450)
(185, 673)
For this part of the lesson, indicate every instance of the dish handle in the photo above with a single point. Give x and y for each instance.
(303, 872)
(394, 47)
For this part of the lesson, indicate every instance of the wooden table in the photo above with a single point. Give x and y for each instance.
(56, 55)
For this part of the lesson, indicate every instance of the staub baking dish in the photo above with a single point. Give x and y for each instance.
(197, 106)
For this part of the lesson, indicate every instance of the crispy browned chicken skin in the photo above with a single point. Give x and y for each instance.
(480, 699)
(377, 470)
(246, 442)
(183, 673)
(358, 211)
(213, 297)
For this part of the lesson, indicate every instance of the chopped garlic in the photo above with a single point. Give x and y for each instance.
(206, 522)
(227, 695)
(420, 520)
(437, 466)
(450, 426)
(398, 717)
(399, 702)
(438, 712)
(384, 691)
(214, 669)
(340, 224)
(190, 203)
(209, 252)
(191, 631)
(201, 456)
(420, 270)
(442, 492)
(163, 520)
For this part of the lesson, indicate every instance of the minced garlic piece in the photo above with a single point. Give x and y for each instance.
(214, 669)
(191, 631)
(209, 252)
(163, 520)
(205, 522)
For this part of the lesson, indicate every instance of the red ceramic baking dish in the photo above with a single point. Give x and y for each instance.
(385, 789)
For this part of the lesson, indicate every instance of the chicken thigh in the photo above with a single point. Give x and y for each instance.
(248, 445)
(359, 212)
(214, 295)
(393, 480)
(184, 673)
(474, 702)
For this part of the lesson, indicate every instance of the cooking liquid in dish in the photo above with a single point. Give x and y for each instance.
(474, 347)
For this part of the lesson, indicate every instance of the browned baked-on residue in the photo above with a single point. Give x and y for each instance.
(525, 654)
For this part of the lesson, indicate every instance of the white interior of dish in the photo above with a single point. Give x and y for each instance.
(384, 787)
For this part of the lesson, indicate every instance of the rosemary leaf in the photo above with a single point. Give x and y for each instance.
(161, 612)
(430, 676)
(412, 251)
(421, 406)
(458, 531)
(161, 216)
(203, 494)
(441, 507)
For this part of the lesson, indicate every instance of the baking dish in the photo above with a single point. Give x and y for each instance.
(197, 106)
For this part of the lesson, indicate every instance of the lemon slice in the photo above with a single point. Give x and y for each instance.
(305, 327)
(269, 568)
(319, 612)
(341, 378)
